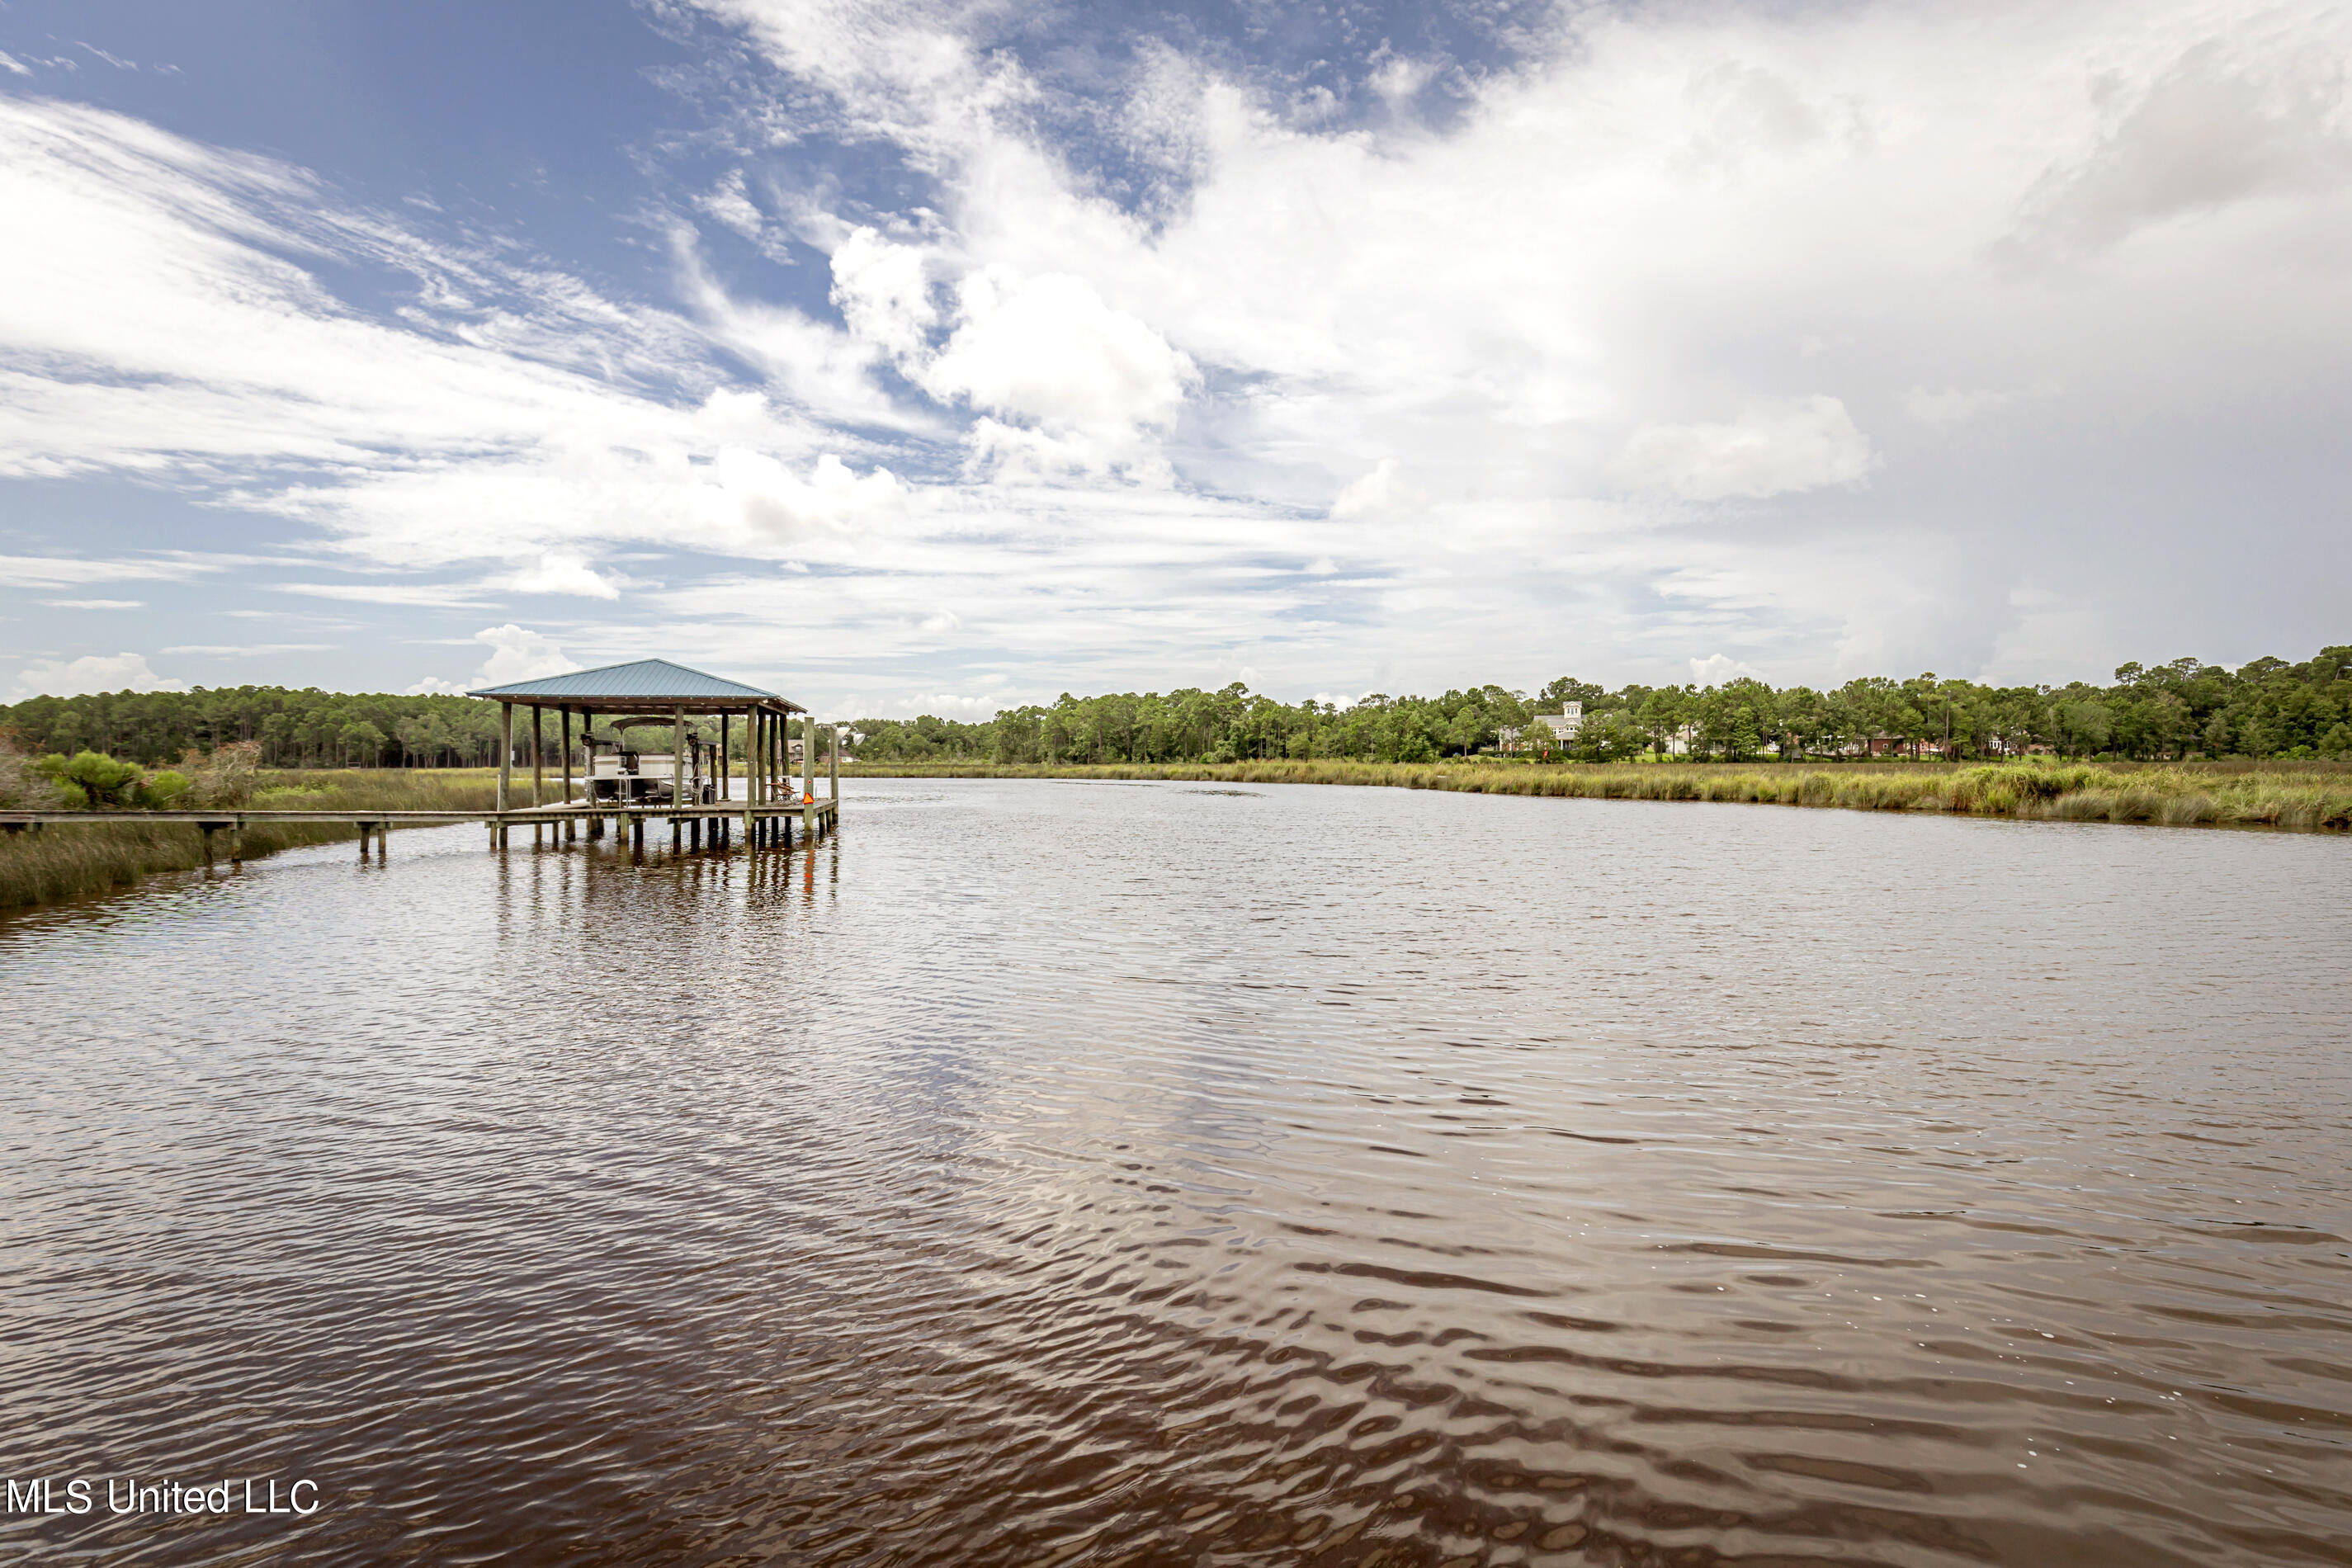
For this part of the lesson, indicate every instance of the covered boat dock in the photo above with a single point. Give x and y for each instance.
(691, 786)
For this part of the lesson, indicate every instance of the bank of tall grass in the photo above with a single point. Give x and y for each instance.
(67, 860)
(2302, 797)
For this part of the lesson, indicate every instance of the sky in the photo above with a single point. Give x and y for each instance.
(943, 357)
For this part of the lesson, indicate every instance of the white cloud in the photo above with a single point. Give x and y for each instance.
(965, 708)
(731, 204)
(63, 572)
(557, 573)
(91, 673)
(517, 653)
(1378, 493)
(247, 650)
(454, 597)
(10, 63)
(96, 605)
(882, 293)
(1772, 449)
(1079, 386)
(1718, 668)
(2214, 129)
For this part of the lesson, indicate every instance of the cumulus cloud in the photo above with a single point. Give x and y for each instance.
(1718, 668)
(91, 673)
(1070, 382)
(517, 653)
(882, 293)
(1772, 449)
(1378, 493)
(560, 573)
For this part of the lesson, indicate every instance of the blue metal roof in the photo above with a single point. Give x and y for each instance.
(654, 679)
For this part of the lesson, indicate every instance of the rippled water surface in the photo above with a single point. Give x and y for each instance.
(1059, 1173)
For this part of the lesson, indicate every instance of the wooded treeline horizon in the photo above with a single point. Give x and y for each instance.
(2265, 709)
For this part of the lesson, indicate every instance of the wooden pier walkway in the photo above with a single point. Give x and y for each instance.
(763, 825)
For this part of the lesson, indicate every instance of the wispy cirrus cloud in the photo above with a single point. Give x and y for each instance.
(69, 571)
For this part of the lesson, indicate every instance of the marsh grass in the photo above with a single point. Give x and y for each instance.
(2307, 799)
(69, 861)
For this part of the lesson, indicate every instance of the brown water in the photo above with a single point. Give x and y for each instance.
(1079, 1173)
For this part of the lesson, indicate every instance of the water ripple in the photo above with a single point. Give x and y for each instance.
(1042, 1173)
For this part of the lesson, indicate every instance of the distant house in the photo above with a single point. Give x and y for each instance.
(1895, 746)
(1564, 724)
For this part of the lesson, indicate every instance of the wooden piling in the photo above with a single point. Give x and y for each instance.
(538, 749)
(808, 777)
(750, 772)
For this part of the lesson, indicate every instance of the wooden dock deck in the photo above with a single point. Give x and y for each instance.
(764, 824)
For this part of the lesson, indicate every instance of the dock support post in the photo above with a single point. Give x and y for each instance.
(750, 772)
(566, 712)
(236, 843)
(207, 828)
(538, 749)
(808, 777)
(833, 764)
(363, 833)
(506, 772)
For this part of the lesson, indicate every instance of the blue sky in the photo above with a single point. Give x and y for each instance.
(935, 357)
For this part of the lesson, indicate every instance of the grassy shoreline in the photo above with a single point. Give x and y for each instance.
(65, 861)
(2295, 798)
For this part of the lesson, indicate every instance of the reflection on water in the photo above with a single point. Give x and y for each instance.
(1046, 1172)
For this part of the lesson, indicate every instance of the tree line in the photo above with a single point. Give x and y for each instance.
(2266, 708)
